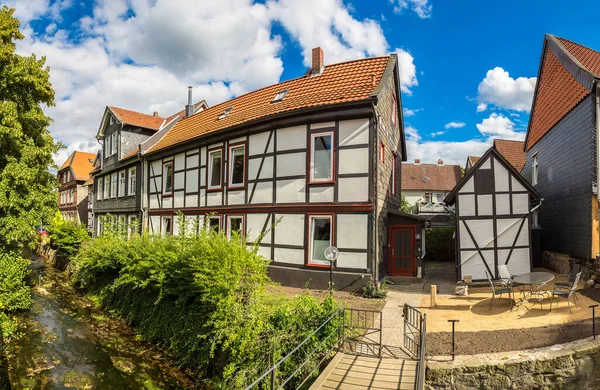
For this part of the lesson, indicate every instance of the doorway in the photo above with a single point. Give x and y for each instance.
(401, 251)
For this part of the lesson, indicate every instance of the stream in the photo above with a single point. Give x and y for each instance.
(67, 343)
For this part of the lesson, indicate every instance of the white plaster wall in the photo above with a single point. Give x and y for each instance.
(292, 164)
(507, 230)
(291, 138)
(322, 125)
(236, 197)
(501, 176)
(354, 161)
(352, 260)
(213, 198)
(167, 202)
(154, 201)
(321, 194)
(178, 198)
(191, 181)
(254, 225)
(267, 169)
(469, 186)
(193, 161)
(519, 262)
(516, 185)
(156, 168)
(179, 180)
(520, 203)
(179, 161)
(154, 226)
(290, 230)
(265, 251)
(353, 189)
(263, 193)
(354, 132)
(258, 142)
(156, 184)
(191, 201)
(289, 256)
(484, 205)
(466, 205)
(291, 191)
(502, 204)
(474, 265)
(352, 231)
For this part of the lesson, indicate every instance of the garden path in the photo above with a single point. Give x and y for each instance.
(67, 343)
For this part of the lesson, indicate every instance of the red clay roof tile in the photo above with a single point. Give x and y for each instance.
(82, 164)
(430, 177)
(512, 151)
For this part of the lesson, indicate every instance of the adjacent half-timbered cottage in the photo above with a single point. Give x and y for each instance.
(494, 205)
(320, 154)
(118, 178)
(562, 147)
(72, 193)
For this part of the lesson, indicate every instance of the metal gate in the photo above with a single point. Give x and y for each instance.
(413, 327)
(361, 332)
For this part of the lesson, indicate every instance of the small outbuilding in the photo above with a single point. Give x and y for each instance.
(495, 210)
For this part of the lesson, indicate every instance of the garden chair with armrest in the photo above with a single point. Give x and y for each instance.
(566, 293)
(498, 290)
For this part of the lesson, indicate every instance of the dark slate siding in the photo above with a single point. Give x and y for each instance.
(566, 158)
(126, 204)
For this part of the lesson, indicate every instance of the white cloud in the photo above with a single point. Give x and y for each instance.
(420, 7)
(452, 152)
(500, 127)
(142, 54)
(408, 112)
(455, 125)
(412, 133)
(481, 107)
(503, 91)
(437, 133)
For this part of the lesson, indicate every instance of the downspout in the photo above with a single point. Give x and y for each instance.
(595, 188)
(142, 189)
(375, 271)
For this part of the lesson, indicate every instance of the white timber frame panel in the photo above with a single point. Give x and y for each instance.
(493, 220)
(277, 178)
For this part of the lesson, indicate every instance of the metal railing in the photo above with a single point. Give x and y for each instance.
(364, 328)
(271, 373)
(415, 333)
(421, 367)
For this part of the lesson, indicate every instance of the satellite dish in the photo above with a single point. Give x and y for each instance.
(332, 253)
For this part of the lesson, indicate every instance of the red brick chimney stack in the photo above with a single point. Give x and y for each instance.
(417, 161)
(440, 162)
(318, 60)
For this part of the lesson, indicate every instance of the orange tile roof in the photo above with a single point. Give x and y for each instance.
(589, 58)
(473, 159)
(557, 93)
(512, 151)
(153, 122)
(338, 83)
(430, 177)
(81, 163)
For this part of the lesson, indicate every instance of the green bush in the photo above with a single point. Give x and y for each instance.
(374, 289)
(66, 238)
(14, 293)
(200, 296)
(440, 244)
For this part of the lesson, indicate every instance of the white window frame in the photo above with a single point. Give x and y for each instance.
(428, 195)
(230, 183)
(210, 170)
(114, 181)
(441, 196)
(164, 177)
(115, 143)
(132, 181)
(122, 183)
(106, 187)
(312, 261)
(217, 217)
(312, 157)
(235, 216)
(162, 225)
(535, 171)
(107, 146)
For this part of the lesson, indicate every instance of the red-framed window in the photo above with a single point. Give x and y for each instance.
(381, 152)
(395, 111)
(320, 237)
(235, 222)
(214, 171)
(167, 178)
(321, 157)
(394, 172)
(214, 222)
(237, 166)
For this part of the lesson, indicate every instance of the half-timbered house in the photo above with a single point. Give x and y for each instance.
(72, 193)
(320, 154)
(494, 207)
(118, 178)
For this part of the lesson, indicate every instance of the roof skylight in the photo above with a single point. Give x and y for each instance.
(225, 113)
(280, 95)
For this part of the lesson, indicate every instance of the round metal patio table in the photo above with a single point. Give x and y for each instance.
(532, 279)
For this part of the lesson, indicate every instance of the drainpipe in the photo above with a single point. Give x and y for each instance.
(595, 189)
(142, 189)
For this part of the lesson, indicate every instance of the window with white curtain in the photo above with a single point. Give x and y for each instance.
(321, 153)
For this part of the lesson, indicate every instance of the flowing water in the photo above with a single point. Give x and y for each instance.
(68, 343)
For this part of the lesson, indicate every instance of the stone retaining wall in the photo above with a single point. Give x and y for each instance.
(573, 365)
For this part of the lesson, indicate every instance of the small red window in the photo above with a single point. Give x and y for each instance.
(394, 163)
(381, 152)
(394, 112)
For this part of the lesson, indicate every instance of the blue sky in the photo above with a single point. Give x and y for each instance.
(469, 67)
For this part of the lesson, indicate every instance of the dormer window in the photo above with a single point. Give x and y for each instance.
(280, 95)
(225, 113)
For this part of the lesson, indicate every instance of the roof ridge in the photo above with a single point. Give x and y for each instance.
(575, 43)
(139, 112)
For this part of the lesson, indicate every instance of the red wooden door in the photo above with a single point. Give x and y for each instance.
(401, 256)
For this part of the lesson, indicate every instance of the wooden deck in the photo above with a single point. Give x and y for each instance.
(349, 372)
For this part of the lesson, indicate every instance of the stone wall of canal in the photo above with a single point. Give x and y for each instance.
(573, 365)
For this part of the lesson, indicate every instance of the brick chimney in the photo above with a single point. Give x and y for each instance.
(440, 162)
(189, 108)
(417, 161)
(318, 60)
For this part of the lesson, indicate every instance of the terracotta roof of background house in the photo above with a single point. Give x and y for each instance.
(338, 83)
(512, 151)
(429, 177)
(82, 164)
(473, 159)
(558, 90)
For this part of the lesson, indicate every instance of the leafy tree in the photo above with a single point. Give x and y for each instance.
(26, 185)
(405, 206)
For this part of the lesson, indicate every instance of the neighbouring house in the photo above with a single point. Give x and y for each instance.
(424, 186)
(319, 153)
(494, 205)
(471, 160)
(118, 176)
(562, 147)
(72, 193)
(512, 151)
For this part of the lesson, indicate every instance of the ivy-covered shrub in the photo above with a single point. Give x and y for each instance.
(440, 244)
(14, 293)
(66, 238)
(202, 297)
(374, 289)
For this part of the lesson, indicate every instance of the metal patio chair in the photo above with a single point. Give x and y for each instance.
(498, 290)
(566, 293)
(567, 280)
(505, 277)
